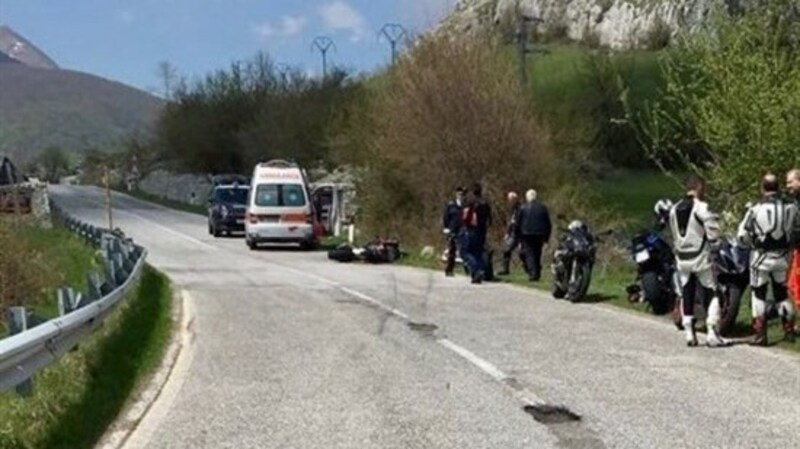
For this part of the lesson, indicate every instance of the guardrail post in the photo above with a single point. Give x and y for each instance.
(93, 287)
(68, 300)
(17, 319)
(111, 273)
(123, 271)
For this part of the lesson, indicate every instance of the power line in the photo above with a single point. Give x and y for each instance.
(394, 33)
(323, 44)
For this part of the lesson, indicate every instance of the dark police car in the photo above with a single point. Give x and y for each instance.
(227, 204)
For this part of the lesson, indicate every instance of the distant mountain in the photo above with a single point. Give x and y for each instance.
(42, 105)
(18, 48)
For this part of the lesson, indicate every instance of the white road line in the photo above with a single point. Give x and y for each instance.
(469, 356)
(374, 301)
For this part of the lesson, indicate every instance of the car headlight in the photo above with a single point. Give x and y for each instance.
(223, 210)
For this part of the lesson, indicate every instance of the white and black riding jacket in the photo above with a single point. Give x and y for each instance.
(769, 227)
(695, 229)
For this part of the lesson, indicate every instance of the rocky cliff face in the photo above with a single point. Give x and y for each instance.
(614, 23)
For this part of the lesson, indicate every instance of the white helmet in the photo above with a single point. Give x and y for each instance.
(662, 207)
(575, 225)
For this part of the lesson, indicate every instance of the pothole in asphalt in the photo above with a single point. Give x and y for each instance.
(426, 329)
(551, 414)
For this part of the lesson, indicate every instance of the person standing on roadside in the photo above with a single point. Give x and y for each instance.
(511, 239)
(793, 280)
(695, 233)
(768, 227)
(534, 229)
(451, 227)
(476, 219)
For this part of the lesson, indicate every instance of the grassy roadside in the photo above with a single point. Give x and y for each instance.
(56, 258)
(76, 399)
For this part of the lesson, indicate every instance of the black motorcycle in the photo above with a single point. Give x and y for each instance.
(573, 261)
(732, 267)
(656, 282)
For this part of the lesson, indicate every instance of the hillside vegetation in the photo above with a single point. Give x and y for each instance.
(75, 111)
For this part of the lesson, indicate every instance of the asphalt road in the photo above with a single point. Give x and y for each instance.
(294, 351)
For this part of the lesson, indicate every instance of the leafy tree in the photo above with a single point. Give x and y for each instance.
(730, 109)
(54, 163)
(251, 112)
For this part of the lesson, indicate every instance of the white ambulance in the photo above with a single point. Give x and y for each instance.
(279, 208)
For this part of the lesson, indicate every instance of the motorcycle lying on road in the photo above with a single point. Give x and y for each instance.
(573, 261)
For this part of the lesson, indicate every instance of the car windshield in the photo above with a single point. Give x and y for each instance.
(231, 195)
(272, 195)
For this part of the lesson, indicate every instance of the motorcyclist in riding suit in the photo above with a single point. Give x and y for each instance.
(768, 227)
(695, 230)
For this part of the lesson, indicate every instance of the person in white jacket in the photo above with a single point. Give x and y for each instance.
(768, 227)
(695, 231)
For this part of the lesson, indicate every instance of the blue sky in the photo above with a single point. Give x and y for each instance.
(125, 39)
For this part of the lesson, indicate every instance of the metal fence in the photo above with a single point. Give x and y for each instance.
(36, 343)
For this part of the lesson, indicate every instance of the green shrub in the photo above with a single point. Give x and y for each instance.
(729, 110)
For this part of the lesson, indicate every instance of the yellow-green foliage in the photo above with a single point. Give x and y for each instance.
(730, 105)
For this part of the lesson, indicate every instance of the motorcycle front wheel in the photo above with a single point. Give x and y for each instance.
(580, 287)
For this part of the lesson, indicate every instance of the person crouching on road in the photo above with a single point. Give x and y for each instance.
(695, 230)
(793, 280)
(451, 227)
(476, 219)
(534, 229)
(511, 240)
(768, 227)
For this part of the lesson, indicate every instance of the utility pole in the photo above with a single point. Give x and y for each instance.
(107, 183)
(394, 33)
(283, 69)
(323, 44)
(522, 34)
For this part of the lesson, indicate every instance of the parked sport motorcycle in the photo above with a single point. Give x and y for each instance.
(656, 281)
(732, 267)
(573, 261)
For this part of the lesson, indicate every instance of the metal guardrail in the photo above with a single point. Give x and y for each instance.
(34, 343)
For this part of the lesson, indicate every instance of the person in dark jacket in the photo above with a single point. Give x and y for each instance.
(534, 229)
(476, 219)
(511, 239)
(451, 227)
